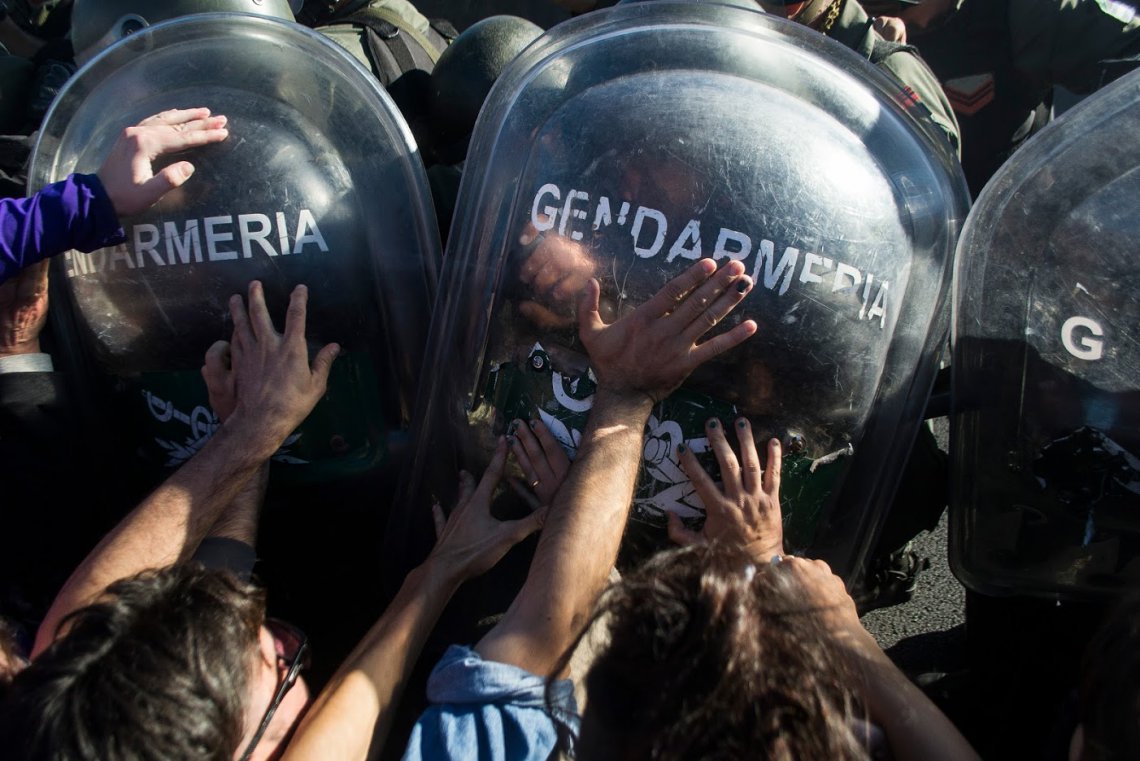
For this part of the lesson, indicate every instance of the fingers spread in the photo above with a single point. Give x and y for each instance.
(494, 472)
(466, 487)
(749, 459)
(681, 535)
(243, 334)
(295, 316)
(722, 343)
(438, 518)
(722, 304)
(589, 321)
(675, 291)
(176, 116)
(322, 365)
(555, 454)
(706, 488)
(772, 468)
(259, 313)
(725, 457)
(696, 306)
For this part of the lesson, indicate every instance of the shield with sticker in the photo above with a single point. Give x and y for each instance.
(319, 183)
(1045, 436)
(625, 145)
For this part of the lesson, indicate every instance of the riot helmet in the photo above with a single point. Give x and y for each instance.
(627, 143)
(98, 24)
(469, 67)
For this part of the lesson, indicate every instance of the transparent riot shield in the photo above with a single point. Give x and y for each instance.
(318, 183)
(630, 142)
(1045, 435)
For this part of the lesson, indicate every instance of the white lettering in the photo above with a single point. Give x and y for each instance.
(689, 244)
(569, 213)
(742, 241)
(845, 272)
(545, 222)
(282, 234)
(766, 260)
(121, 254)
(639, 218)
(213, 238)
(250, 236)
(602, 216)
(308, 232)
(1090, 349)
(146, 239)
(811, 260)
(189, 243)
(879, 308)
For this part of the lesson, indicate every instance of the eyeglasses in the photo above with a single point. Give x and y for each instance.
(292, 653)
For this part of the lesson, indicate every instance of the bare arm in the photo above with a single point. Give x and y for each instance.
(916, 730)
(351, 717)
(276, 390)
(638, 360)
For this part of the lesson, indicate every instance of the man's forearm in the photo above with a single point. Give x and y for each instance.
(579, 541)
(352, 716)
(167, 526)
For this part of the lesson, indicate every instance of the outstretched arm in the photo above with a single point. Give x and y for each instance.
(275, 389)
(82, 212)
(914, 726)
(351, 717)
(638, 361)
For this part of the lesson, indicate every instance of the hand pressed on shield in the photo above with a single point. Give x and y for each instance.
(471, 541)
(274, 387)
(540, 457)
(651, 351)
(128, 173)
(745, 509)
(219, 376)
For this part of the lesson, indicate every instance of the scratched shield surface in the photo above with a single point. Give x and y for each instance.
(319, 183)
(1046, 429)
(629, 143)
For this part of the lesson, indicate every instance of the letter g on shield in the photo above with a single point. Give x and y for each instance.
(1075, 335)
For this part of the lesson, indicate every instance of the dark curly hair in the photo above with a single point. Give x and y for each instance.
(712, 657)
(158, 668)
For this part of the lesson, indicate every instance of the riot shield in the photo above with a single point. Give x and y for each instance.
(629, 142)
(1045, 434)
(318, 183)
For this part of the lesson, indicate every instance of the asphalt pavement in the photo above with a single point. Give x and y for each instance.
(927, 634)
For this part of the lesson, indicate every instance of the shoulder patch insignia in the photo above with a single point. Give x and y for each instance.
(969, 95)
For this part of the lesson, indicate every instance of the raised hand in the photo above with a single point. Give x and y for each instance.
(540, 457)
(128, 173)
(274, 387)
(471, 541)
(652, 350)
(745, 509)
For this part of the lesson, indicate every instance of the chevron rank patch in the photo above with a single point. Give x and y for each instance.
(969, 95)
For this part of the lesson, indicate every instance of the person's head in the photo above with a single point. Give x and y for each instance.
(170, 664)
(711, 656)
(1109, 703)
(806, 12)
(98, 24)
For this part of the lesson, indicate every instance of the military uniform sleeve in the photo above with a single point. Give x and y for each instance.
(75, 213)
(925, 94)
(1067, 42)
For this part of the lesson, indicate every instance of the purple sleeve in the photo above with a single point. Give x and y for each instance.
(75, 213)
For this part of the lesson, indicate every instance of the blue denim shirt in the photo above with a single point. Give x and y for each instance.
(487, 710)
